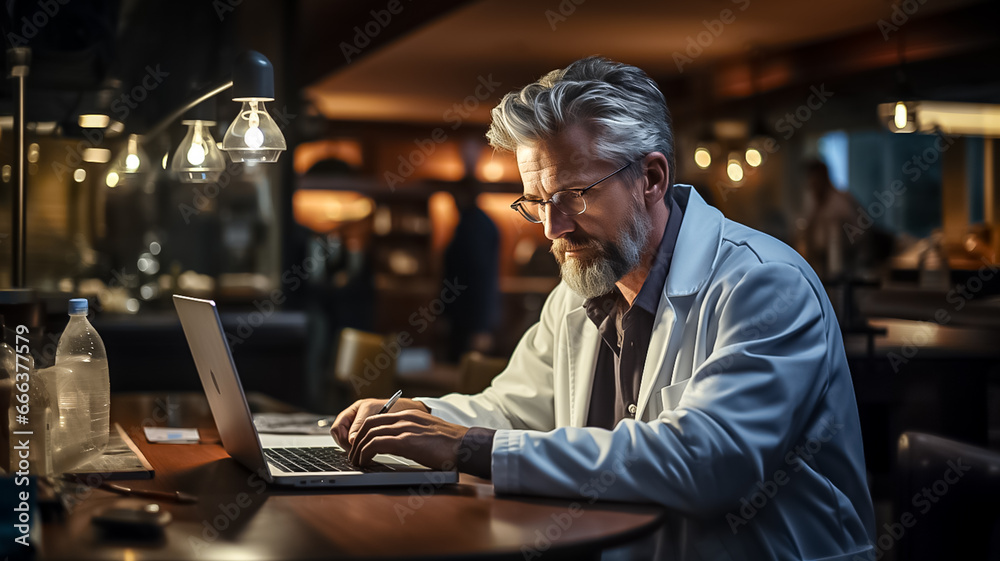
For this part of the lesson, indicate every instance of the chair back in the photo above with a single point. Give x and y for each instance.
(477, 371)
(946, 501)
(365, 364)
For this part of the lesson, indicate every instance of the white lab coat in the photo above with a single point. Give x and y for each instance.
(747, 426)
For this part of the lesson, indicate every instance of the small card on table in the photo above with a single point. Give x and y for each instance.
(170, 435)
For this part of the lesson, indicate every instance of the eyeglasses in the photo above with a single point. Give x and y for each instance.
(570, 202)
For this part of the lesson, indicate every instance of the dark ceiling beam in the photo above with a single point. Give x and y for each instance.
(966, 38)
(332, 35)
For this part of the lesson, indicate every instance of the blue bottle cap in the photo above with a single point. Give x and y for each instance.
(78, 306)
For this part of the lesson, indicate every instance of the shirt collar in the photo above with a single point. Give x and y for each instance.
(648, 299)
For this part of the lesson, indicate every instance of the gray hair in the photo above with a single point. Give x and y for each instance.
(622, 103)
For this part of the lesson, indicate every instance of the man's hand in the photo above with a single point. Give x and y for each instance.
(349, 421)
(413, 434)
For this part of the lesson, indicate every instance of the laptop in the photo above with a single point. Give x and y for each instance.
(302, 461)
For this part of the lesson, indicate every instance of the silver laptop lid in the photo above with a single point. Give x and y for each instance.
(206, 338)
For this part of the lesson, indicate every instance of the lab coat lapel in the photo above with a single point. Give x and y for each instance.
(582, 342)
(660, 343)
(695, 253)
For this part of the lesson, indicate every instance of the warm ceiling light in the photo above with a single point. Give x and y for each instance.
(115, 128)
(93, 121)
(131, 161)
(493, 171)
(734, 169)
(753, 157)
(96, 155)
(702, 157)
(198, 158)
(253, 135)
(899, 115)
(80, 175)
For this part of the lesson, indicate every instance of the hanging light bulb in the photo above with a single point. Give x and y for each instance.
(734, 169)
(132, 159)
(253, 135)
(702, 157)
(130, 164)
(899, 115)
(198, 158)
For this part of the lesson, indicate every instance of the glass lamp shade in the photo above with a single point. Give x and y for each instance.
(253, 135)
(198, 159)
(130, 163)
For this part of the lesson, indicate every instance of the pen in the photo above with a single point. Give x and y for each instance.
(392, 401)
(177, 496)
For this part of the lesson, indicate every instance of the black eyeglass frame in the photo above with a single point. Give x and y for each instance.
(517, 205)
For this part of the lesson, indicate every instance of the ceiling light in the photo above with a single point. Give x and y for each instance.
(899, 116)
(131, 161)
(96, 155)
(702, 157)
(93, 121)
(734, 169)
(198, 158)
(966, 119)
(253, 135)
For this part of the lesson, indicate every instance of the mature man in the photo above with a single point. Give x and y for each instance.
(695, 359)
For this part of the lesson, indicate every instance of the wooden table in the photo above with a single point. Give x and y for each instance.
(239, 517)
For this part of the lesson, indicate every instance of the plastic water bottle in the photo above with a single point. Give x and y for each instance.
(82, 390)
(8, 368)
(26, 410)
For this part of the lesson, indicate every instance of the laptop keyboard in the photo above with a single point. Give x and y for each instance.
(298, 460)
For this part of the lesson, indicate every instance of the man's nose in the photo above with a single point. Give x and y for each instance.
(557, 224)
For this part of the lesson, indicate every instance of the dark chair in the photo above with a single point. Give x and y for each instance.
(365, 364)
(478, 370)
(948, 501)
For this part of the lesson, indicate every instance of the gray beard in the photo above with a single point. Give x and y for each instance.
(596, 276)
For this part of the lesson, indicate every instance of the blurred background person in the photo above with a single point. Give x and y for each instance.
(472, 262)
(824, 241)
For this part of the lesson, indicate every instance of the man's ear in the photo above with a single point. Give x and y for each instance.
(656, 173)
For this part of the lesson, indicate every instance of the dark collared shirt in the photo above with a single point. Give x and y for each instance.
(625, 334)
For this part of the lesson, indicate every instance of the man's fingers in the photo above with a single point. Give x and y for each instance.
(382, 444)
(342, 422)
(379, 426)
(365, 411)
